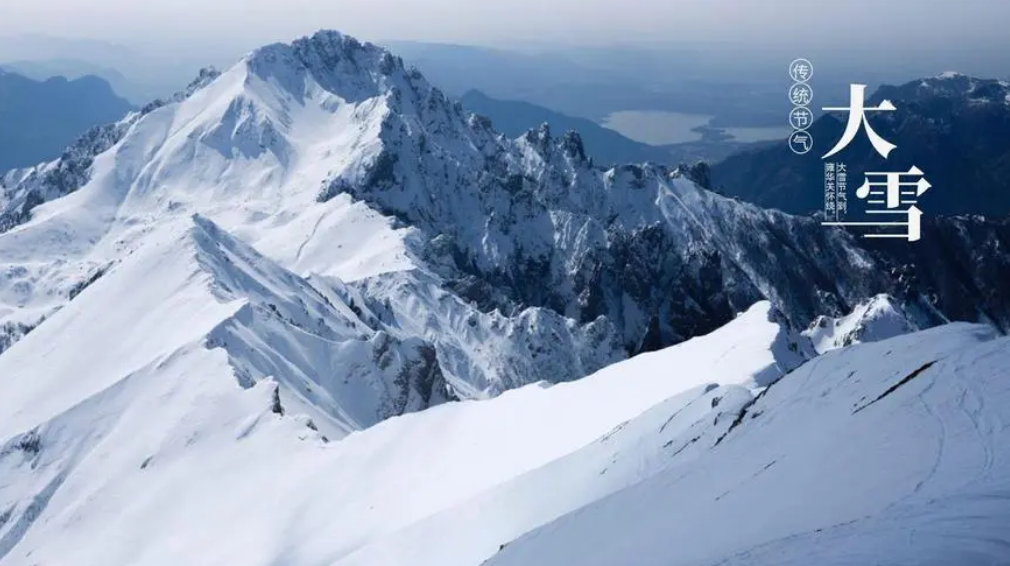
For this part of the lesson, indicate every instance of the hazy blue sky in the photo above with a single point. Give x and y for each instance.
(784, 22)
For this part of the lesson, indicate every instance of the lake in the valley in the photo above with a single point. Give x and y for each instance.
(657, 127)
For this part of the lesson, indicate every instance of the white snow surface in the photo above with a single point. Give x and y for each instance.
(190, 284)
(893, 452)
(173, 462)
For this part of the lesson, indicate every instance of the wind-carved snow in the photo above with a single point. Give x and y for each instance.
(190, 339)
(484, 354)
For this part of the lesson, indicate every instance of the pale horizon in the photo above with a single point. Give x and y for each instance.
(248, 23)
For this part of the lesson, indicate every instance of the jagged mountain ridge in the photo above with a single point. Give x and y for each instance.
(878, 319)
(300, 145)
(608, 147)
(189, 285)
(28, 187)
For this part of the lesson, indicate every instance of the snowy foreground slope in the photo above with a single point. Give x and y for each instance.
(893, 451)
(896, 452)
(175, 463)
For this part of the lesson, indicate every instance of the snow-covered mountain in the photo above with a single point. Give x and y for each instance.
(308, 311)
(252, 150)
(331, 158)
(190, 285)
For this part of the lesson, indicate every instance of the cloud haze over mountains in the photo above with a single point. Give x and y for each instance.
(792, 23)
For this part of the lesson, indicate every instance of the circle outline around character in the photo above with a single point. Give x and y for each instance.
(809, 137)
(804, 85)
(796, 63)
(793, 124)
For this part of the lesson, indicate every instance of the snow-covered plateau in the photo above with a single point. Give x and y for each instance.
(309, 312)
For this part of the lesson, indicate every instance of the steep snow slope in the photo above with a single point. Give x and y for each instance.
(190, 283)
(672, 431)
(892, 452)
(187, 467)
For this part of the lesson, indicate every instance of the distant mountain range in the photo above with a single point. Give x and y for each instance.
(41, 118)
(604, 145)
(139, 72)
(955, 128)
(43, 70)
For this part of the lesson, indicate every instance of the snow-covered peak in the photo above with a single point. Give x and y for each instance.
(278, 150)
(340, 64)
(949, 85)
